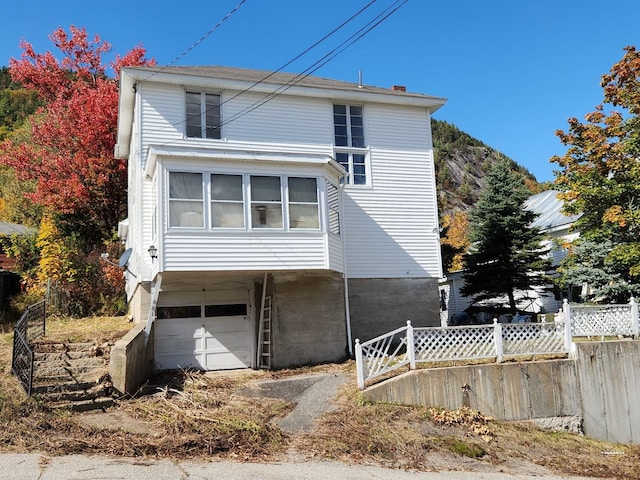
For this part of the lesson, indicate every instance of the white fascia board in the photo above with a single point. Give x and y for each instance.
(126, 104)
(362, 95)
(240, 156)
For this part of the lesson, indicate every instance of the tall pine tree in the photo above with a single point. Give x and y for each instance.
(506, 254)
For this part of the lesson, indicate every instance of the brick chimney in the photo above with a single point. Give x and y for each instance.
(399, 88)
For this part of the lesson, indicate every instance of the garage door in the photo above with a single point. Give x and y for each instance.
(207, 337)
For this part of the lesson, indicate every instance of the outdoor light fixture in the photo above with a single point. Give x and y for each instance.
(153, 252)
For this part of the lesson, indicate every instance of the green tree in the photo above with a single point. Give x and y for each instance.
(506, 255)
(599, 178)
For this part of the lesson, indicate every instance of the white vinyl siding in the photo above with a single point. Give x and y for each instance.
(391, 229)
(288, 120)
(245, 252)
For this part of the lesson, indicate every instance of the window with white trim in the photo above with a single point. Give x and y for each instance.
(185, 200)
(350, 145)
(203, 115)
(245, 202)
(303, 203)
(266, 202)
(227, 201)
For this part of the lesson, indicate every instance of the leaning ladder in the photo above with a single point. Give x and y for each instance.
(264, 330)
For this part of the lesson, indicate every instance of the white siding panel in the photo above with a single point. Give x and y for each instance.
(243, 252)
(281, 120)
(336, 256)
(395, 127)
(162, 114)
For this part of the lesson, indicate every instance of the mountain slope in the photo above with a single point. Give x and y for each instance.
(462, 163)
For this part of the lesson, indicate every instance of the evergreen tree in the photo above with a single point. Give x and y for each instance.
(506, 254)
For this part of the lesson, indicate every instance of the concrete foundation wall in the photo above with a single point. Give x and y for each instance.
(601, 387)
(379, 305)
(140, 302)
(131, 363)
(514, 391)
(309, 319)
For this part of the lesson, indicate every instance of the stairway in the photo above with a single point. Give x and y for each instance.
(72, 376)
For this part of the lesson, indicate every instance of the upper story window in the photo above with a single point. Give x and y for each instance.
(203, 115)
(249, 202)
(350, 145)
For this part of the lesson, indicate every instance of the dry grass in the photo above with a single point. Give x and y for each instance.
(191, 415)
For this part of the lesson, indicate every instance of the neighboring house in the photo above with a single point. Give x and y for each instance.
(557, 228)
(274, 218)
(9, 281)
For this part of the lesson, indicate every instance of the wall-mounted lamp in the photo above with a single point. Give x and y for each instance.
(153, 252)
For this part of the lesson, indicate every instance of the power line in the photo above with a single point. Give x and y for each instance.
(364, 30)
(200, 40)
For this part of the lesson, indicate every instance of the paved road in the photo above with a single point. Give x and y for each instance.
(33, 466)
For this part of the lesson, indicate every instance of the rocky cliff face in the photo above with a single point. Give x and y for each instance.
(462, 163)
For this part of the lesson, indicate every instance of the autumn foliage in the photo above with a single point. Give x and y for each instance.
(70, 150)
(599, 179)
(66, 154)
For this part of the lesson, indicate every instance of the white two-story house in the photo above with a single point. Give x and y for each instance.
(273, 219)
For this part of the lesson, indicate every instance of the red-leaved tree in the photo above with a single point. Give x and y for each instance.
(70, 150)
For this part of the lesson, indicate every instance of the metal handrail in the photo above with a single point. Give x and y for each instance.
(31, 325)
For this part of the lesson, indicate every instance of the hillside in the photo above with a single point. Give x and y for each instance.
(462, 163)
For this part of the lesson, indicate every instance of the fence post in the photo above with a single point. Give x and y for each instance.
(359, 365)
(635, 324)
(411, 348)
(497, 339)
(566, 315)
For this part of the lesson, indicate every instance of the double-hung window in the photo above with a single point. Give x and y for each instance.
(303, 203)
(203, 115)
(185, 200)
(266, 202)
(350, 146)
(227, 201)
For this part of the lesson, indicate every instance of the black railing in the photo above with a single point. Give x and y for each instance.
(31, 325)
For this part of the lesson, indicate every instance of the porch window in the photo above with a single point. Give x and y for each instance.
(185, 200)
(350, 145)
(303, 203)
(203, 115)
(227, 201)
(266, 202)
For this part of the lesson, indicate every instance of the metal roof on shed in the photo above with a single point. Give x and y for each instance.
(549, 209)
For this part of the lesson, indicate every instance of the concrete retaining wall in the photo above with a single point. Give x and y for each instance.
(601, 386)
(130, 362)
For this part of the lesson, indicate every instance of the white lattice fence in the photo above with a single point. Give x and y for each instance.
(602, 320)
(453, 343)
(534, 338)
(408, 345)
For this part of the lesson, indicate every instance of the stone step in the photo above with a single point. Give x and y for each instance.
(62, 376)
(68, 364)
(57, 356)
(100, 403)
(53, 370)
(92, 392)
(54, 347)
(60, 387)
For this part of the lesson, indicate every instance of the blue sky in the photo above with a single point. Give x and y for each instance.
(513, 71)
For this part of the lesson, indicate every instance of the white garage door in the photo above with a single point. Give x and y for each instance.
(207, 337)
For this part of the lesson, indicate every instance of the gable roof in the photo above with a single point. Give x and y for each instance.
(549, 209)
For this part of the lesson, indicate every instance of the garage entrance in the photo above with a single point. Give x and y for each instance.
(210, 335)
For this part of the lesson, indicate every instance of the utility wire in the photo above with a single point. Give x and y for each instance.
(200, 40)
(376, 21)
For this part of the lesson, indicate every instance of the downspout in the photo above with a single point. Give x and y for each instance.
(344, 271)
